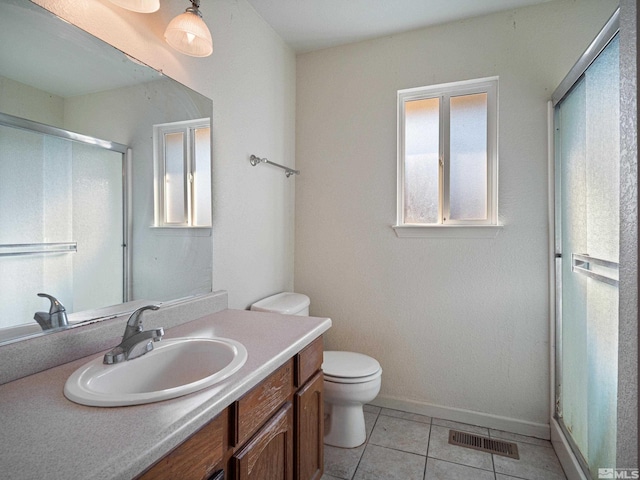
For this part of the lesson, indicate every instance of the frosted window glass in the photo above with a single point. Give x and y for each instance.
(468, 153)
(421, 162)
(174, 178)
(202, 177)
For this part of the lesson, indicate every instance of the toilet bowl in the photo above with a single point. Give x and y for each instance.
(350, 379)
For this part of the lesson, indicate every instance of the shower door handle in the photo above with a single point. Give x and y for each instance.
(586, 265)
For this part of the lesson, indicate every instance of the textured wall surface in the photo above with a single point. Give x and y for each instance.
(458, 325)
(251, 79)
(627, 441)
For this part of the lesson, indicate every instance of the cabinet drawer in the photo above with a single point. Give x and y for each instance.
(255, 408)
(308, 361)
(195, 459)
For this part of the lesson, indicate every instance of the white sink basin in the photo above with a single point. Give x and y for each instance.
(173, 368)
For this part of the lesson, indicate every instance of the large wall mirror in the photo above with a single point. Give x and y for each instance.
(79, 181)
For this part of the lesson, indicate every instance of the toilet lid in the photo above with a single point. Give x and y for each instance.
(287, 303)
(349, 364)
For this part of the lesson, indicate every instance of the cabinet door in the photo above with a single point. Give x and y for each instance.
(309, 410)
(269, 454)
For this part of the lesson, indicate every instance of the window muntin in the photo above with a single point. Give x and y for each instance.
(447, 154)
(182, 169)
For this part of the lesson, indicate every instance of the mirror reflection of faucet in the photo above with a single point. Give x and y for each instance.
(136, 341)
(57, 316)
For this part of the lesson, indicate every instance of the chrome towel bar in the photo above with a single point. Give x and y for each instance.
(582, 263)
(14, 249)
(287, 171)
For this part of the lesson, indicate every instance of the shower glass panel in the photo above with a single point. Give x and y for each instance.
(587, 177)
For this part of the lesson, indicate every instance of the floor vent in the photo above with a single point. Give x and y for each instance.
(484, 444)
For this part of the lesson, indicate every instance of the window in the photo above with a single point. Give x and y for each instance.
(182, 171)
(447, 155)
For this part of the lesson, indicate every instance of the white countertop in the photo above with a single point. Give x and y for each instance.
(45, 436)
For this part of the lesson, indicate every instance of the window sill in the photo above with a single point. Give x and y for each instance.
(447, 231)
(182, 231)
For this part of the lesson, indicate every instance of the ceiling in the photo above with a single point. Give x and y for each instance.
(308, 25)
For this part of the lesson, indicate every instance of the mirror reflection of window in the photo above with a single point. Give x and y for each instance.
(201, 190)
(175, 185)
(182, 160)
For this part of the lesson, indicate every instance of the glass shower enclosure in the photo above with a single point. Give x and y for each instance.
(587, 152)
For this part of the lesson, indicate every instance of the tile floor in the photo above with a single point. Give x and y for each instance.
(406, 446)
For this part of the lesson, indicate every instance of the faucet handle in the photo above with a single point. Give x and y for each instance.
(134, 323)
(57, 316)
(134, 318)
(55, 306)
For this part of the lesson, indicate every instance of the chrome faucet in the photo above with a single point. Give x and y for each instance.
(135, 341)
(57, 316)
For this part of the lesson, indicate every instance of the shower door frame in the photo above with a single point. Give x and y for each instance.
(569, 454)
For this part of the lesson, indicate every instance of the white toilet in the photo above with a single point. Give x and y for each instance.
(350, 379)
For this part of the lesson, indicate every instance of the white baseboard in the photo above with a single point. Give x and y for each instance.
(522, 427)
(567, 459)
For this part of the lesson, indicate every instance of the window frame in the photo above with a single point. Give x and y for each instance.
(187, 128)
(445, 92)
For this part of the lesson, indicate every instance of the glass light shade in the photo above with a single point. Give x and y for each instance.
(140, 6)
(188, 34)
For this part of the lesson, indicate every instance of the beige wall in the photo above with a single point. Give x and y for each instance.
(460, 326)
(251, 79)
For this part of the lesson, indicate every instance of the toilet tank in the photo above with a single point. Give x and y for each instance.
(287, 303)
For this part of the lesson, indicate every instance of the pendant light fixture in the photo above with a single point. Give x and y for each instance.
(140, 6)
(188, 33)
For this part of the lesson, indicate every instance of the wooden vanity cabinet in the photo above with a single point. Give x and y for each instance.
(274, 432)
(290, 445)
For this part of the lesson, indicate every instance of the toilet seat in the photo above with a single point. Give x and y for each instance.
(350, 367)
(346, 380)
